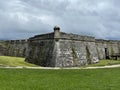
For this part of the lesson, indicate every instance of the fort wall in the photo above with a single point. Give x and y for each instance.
(15, 48)
(111, 47)
(59, 49)
(41, 52)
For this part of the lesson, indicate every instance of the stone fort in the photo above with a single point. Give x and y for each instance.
(59, 49)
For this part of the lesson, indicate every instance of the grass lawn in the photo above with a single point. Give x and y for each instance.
(62, 79)
(13, 61)
(28, 79)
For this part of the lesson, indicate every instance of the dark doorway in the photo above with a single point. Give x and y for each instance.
(107, 53)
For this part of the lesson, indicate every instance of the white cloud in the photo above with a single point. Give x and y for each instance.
(89, 17)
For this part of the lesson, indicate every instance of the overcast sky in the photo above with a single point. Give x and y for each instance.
(24, 18)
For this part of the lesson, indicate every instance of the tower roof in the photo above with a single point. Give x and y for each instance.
(56, 28)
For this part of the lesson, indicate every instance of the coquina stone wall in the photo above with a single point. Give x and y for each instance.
(60, 49)
(108, 47)
(14, 48)
(41, 50)
(2, 48)
(74, 50)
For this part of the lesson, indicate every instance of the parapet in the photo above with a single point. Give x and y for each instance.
(76, 37)
(22, 41)
(53, 35)
(61, 35)
(107, 41)
(43, 36)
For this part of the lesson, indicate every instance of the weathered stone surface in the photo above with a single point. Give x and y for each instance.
(40, 52)
(59, 49)
(15, 48)
(112, 47)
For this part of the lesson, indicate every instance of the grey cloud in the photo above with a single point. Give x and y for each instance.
(24, 18)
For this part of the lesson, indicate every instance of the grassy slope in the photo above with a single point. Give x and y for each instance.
(17, 61)
(13, 61)
(26, 79)
(104, 63)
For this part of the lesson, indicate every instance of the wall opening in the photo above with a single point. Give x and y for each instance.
(107, 53)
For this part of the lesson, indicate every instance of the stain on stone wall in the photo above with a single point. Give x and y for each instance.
(40, 52)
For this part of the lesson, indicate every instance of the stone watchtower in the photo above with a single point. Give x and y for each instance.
(56, 32)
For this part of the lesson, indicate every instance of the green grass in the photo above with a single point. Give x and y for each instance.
(28, 79)
(13, 61)
(104, 63)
